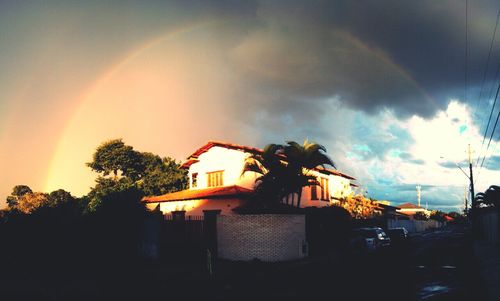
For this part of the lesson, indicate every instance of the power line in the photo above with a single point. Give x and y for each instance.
(487, 64)
(488, 125)
(487, 160)
(466, 48)
(496, 79)
(494, 127)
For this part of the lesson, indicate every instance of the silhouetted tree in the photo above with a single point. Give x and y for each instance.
(420, 216)
(60, 196)
(438, 216)
(17, 192)
(489, 198)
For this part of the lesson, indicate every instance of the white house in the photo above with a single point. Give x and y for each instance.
(411, 209)
(216, 182)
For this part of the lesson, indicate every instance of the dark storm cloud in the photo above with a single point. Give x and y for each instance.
(404, 55)
(452, 164)
(493, 163)
(409, 158)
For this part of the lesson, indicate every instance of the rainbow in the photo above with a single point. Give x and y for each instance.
(106, 76)
(109, 73)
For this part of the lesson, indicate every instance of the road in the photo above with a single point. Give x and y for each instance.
(435, 265)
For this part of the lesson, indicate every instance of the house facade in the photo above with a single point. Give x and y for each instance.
(217, 182)
(411, 209)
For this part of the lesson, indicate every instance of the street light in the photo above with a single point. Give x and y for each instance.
(459, 168)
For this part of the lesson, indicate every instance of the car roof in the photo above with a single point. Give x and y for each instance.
(367, 229)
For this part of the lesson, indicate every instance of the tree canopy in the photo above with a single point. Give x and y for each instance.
(437, 215)
(114, 156)
(17, 192)
(143, 173)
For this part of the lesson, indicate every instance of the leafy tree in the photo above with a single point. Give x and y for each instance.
(30, 202)
(284, 169)
(60, 196)
(438, 216)
(457, 217)
(144, 172)
(17, 192)
(114, 156)
(161, 175)
(359, 207)
(104, 189)
(420, 216)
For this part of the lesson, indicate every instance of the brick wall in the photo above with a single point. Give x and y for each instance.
(267, 237)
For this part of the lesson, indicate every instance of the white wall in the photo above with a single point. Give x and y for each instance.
(232, 162)
(338, 187)
(414, 225)
(220, 158)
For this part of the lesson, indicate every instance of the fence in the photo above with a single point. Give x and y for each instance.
(177, 237)
(489, 225)
(414, 225)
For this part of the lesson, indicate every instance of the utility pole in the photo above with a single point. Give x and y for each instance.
(471, 178)
(418, 194)
(465, 199)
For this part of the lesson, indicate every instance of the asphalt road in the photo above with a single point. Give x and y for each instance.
(435, 265)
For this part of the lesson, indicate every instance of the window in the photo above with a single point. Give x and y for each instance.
(194, 179)
(325, 194)
(215, 178)
(314, 192)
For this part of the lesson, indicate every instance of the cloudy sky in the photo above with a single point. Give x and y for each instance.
(380, 83)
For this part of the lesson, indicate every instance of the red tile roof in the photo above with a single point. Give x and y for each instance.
(409, 206)
(193, 158)
(333, 172)
(193, 194)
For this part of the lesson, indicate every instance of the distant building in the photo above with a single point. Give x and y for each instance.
(216, 182)
(411, 209)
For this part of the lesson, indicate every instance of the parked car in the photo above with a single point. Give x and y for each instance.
(398, 234)
(369, 239)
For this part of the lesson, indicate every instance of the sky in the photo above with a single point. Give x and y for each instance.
(381, 84)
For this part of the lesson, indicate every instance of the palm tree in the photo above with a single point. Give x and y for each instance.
(272, 170)
(489, 198)
(301, 160)
(285, 169)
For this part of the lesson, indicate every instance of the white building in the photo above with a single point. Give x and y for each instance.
(217, 182)
(411, 209)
